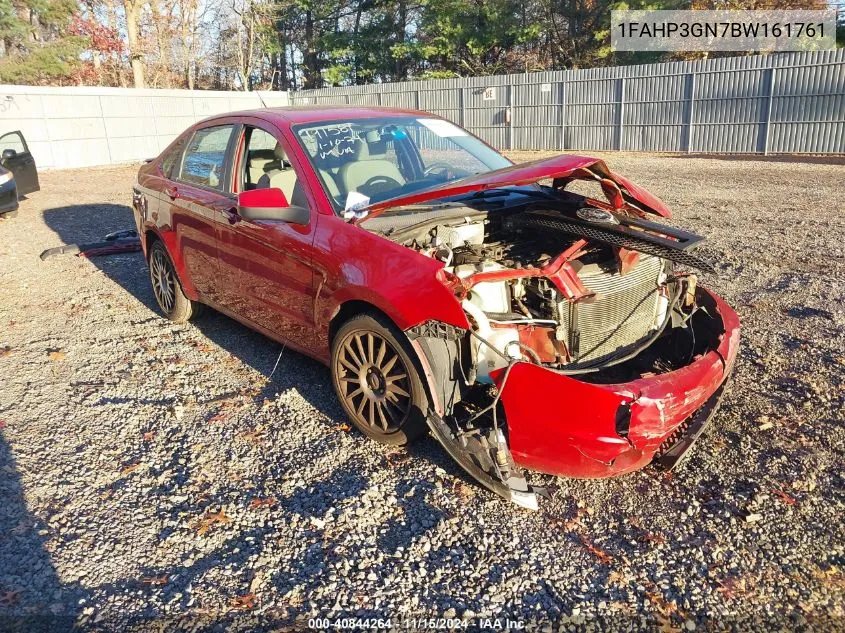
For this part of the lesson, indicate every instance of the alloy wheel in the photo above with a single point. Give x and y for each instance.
(373, 381)
(164, 281)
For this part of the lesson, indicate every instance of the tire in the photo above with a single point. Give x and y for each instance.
(167, 289)
(377, 382)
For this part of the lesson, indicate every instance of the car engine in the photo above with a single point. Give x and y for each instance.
(518, 313)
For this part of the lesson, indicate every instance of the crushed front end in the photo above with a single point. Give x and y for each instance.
(591, 426)
(590, 350)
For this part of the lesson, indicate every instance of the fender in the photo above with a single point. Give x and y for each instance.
(352, 264)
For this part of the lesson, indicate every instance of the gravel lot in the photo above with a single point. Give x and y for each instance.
(152, 470)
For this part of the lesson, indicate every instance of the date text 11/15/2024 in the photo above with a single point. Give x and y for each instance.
(416, 624)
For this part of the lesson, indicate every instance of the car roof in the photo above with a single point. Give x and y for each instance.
(294, 115)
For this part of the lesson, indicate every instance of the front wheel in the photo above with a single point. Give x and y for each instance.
(166, 288)
(376, 381)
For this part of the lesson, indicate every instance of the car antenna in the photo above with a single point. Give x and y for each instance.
(261, 99)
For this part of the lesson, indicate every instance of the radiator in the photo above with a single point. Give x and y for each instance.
(623, 313)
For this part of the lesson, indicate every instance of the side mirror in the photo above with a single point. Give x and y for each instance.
(270, 204)
(9, 153)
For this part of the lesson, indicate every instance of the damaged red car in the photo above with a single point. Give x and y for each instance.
(531, 317)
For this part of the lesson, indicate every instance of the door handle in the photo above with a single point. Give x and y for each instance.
(232, 215)
(172, 192)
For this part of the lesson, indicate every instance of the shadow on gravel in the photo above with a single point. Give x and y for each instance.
(82, 223)
(32, 597)
(309, 378)
(91, 222)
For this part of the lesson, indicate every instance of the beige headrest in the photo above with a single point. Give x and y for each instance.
(260, 157)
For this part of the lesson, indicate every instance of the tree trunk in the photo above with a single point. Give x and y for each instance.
(162, 26)
(312, 71)
(400, 65)
(133, 10)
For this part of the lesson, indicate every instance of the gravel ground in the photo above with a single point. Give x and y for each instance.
(154, 471)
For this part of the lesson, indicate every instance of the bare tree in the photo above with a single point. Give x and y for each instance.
(133, 10)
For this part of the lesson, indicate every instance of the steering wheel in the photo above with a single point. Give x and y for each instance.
(379, 184)
(437, 167)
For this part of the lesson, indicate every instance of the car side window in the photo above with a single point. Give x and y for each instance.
(205, 157)
(171, 158)
(266, 165)
(13, 140)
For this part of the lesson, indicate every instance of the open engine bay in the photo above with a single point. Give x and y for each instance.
(601, 296)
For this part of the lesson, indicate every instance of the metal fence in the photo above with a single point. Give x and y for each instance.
(787, 103)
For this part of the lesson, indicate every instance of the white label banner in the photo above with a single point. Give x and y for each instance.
(761, 31)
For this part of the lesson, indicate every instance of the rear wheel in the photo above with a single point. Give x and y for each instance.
(376, 381)
(166, 288)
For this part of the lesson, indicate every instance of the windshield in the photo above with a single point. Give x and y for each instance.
(364, 161)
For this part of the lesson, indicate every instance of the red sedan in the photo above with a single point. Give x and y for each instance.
(534, 316)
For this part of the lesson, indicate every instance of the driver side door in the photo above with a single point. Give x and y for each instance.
(18, 160)
(265, 266)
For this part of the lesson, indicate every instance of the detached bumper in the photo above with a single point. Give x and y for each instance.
(562, 426)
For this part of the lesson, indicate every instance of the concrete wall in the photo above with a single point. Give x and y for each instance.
(83, 126)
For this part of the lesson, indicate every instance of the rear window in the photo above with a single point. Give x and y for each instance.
(171, 158)
(205, 157)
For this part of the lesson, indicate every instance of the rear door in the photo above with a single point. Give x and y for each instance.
(199, 197)
(17, 159)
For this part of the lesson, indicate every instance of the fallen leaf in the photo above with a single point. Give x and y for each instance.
(155, 581)
(666, 625)
(149, 436)
(8, 598)
(396, 457)
(57, 355)
(204, 524)
(342, 427)
(256, 436)
(732, 587)
(603, 556)
(267, 502)
(2, 424)
(787, 499)
(243, 603)
(128, 469)
(654, 538)
(201, 346)
(217, 418)
(461, 490)
(5, 351)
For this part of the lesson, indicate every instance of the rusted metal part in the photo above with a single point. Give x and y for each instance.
(560, 271)
(627, 259)
(540, 339)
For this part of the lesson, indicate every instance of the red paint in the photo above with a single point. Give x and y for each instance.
(288, 281)
(559, 271)
(262, 199)
(560, 425)
(566, 167)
